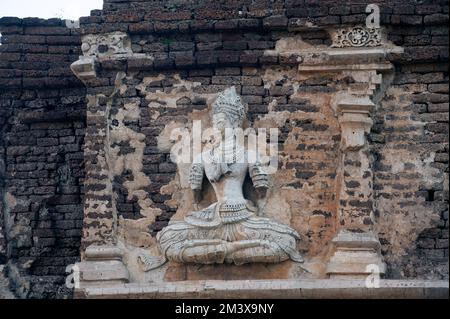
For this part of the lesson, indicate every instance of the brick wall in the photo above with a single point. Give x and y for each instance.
(199, 39)
(218, 45)
(4, 115)
(42, 107)
(414, 125)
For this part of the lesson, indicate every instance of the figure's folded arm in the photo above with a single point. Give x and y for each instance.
(259, 177)
(195, 180)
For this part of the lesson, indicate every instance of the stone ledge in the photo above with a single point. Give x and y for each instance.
(278, 289)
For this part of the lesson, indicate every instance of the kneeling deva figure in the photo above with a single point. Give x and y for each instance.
(229, 230)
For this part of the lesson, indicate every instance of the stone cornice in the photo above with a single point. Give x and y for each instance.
(347, 56)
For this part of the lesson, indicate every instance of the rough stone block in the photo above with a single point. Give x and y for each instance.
(275, 22)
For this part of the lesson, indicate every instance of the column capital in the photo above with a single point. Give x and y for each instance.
(111, 50)
(351, 48)
(354, 118)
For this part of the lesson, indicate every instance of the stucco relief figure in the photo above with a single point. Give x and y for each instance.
(229, 230)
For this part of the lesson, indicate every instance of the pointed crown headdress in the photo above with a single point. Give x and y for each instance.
(230, 103)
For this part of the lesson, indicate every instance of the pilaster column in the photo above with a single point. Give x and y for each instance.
(361, 54)
(357, 248)
(101, 257)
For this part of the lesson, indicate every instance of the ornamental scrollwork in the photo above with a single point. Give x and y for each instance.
(356, 37)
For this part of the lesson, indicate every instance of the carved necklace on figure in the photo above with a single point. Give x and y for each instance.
(223, 155)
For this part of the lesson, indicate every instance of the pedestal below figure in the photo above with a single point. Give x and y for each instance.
(102, 266)
(357, 255)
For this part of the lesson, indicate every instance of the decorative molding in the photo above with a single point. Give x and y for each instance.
(357, 36)
(106, 45)
(354, 119)
(97, 49)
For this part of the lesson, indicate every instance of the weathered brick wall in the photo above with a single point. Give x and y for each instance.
(410, 145)
(219, 45)
(42, 121)
(308, 141)
(216, 44)
(3, 117)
